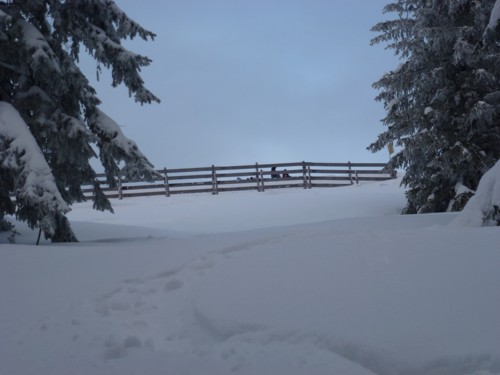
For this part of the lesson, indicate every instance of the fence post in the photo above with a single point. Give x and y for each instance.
(304, 174)
(309, 176)
(261, 175)
(167, 188)
(214, 181)
(257, 176)
(350, 172)
(356, 175)
(120, 189)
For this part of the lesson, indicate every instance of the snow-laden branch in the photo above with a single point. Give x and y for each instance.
(34, 183)
(117, 147)
(79, 23)
(495, 16)
(108, 128)
(38, 46)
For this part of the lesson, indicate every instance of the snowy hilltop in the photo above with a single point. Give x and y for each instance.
(326, 281)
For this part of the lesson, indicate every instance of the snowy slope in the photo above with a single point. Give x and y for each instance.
(283, 282)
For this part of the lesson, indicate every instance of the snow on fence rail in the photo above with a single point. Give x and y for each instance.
(256, 176)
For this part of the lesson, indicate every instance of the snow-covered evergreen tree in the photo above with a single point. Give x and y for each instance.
(49, 115)
(443, 101)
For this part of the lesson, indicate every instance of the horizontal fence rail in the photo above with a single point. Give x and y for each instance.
(259, 177)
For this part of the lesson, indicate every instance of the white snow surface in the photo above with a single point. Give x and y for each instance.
(319, 281)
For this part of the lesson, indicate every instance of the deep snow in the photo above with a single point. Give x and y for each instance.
(321, 281)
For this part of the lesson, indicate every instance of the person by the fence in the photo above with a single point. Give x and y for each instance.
(285, 174)
(274, 173)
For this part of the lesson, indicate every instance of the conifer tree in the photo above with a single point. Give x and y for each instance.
(443, 101)
(49, 114)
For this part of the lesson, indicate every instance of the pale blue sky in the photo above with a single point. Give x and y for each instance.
(255, 81)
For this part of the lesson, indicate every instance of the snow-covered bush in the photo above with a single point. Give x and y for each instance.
(483, 209)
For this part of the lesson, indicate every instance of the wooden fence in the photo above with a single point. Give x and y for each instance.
(259, 177)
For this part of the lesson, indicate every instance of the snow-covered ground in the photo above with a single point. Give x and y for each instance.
(321, 281)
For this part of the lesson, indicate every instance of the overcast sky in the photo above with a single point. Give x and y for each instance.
(255, 81)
